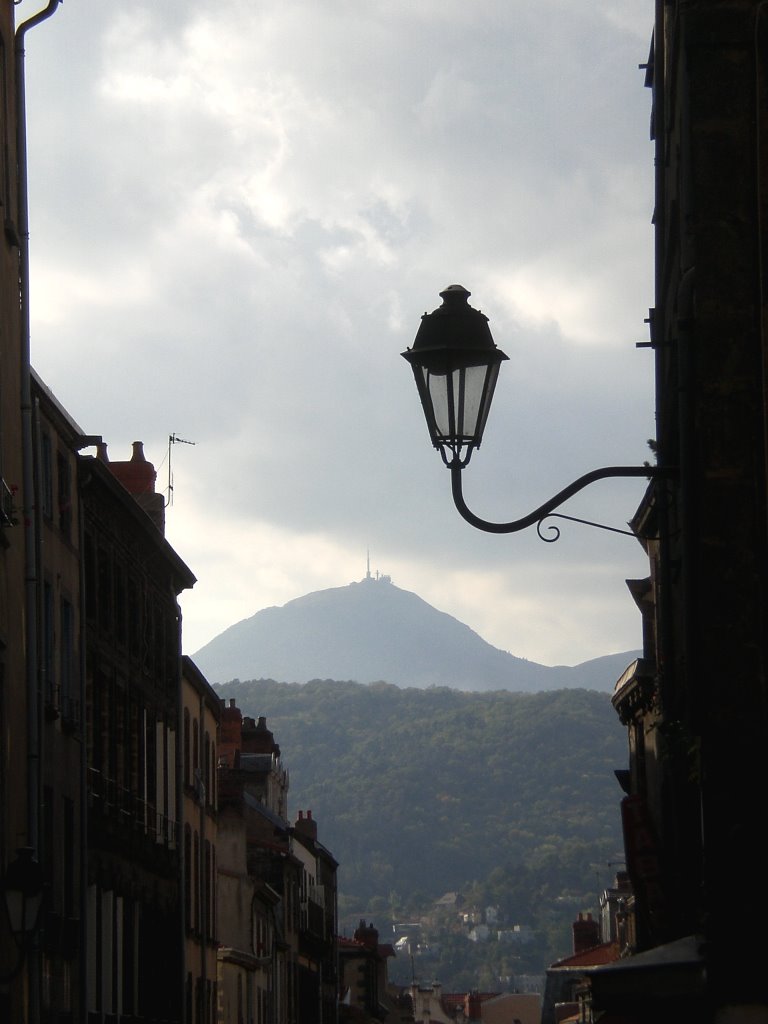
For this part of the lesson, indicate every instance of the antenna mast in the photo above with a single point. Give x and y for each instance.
(172, 440)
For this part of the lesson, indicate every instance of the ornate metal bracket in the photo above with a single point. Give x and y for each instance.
(546, 510)
(555, 531)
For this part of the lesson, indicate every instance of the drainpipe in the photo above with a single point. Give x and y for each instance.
(178, 769)
(29, 497)
(84, 947)
(203, 876)
(760, 84)
(31, 566)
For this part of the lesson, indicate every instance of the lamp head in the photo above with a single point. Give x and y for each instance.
(455, 363)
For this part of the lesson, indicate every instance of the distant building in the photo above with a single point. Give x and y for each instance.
(276, 889)
(616, 911)
(318, 967)
(480, 933)
(427, 1003)
(521, 934)
(510, 1008)
(257, 878)
(565, 978)
(365, 994)
(200, 737)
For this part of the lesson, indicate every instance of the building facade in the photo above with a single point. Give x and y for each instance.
(19, 780)
(696, 704)
(276, 889)
(317, 960)
(200, 741)
(131, 581)
(61, 749)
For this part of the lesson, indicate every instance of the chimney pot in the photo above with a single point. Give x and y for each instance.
(586, 933)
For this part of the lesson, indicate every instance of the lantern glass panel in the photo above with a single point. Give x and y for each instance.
(456, 405)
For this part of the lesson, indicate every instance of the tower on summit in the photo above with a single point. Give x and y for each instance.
(379, 577)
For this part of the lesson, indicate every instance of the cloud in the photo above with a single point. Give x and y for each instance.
(238, 216)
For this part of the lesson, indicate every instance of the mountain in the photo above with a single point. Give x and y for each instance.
(373, 631)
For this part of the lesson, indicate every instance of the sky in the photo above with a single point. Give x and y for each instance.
(239, 212)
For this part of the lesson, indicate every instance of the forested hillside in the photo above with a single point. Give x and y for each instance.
(418, 792)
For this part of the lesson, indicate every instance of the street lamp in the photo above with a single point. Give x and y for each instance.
(23, 897)
(455, 363)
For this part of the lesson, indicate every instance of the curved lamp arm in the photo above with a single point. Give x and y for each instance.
(546, 509)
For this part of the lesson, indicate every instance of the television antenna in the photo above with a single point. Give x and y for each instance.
(172, 440)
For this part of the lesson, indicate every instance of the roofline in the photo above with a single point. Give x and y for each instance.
(140, 517)
(192, 673)
(72, 426)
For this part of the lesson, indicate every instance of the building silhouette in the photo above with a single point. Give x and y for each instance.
(276, 889)
(695, 705)
(201, 715)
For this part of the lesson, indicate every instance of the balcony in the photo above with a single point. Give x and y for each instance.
(119, 806)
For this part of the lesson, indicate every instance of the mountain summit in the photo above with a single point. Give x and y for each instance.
(373, 631)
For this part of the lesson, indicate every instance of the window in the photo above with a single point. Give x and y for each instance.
(51, 692)
(104, 569)
(186, 748)
(6, 121)
(134, 617)
(67, 674)
(120, 604)
(214, 919)
(89, 559)
(188, 872)
(64, 474)
(206, 774)
(196, 884)
(46, 474)
(48, 858)
(207, 892)
(69, 857)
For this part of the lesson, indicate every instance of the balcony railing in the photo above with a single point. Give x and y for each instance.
(122, 805)
(312, 918)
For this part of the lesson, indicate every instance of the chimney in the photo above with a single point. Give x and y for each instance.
(257, 738)
(230, 733)
(306, 826)
(367, 935)
(138, 478)
(472, 1004)
(586, 933)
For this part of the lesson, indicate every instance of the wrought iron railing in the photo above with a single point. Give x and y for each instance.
(121, 804)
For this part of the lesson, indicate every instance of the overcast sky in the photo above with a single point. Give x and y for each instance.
(239, 211)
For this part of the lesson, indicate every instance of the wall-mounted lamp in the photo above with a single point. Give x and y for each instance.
(23, 896)
(455, 363)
